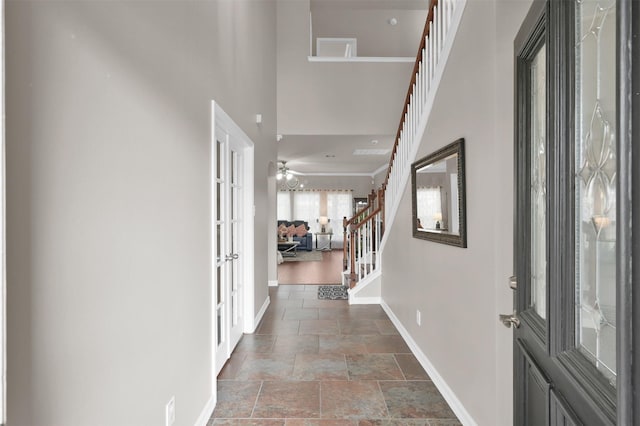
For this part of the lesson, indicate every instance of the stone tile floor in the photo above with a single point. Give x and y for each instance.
(324, 363)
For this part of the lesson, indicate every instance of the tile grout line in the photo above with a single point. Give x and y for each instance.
(386, 405)
(320, 398)
(346, 364)
(255, 403)
(399, 368)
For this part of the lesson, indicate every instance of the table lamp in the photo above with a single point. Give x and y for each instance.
(438, 218)
(323, 220)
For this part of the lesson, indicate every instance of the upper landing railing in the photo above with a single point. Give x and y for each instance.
(363, 232)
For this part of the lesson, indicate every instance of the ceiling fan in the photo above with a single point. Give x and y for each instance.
(287, 176)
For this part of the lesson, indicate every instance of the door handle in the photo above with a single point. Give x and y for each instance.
(233, 256)
(513, 282)
(509, 320)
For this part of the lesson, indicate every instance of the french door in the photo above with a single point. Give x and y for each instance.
(573, 350)
(228, 210)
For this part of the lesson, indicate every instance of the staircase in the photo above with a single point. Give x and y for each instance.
(364, 237)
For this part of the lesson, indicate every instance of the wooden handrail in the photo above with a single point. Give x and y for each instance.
(366, 219)
(370, 199)
(407, 99)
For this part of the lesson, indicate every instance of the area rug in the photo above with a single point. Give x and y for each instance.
(305, 256)
(333, 292)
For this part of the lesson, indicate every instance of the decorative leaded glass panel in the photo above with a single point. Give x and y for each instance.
(538, 184)
(595, 183)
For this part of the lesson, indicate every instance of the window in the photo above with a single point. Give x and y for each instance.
(339, 205)
(308, 205)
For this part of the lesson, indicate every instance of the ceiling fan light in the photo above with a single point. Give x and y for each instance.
(279, 176)
(289, 176)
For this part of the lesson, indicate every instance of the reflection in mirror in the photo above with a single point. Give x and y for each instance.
(438, 196)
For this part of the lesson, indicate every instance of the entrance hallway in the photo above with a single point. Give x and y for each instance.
(323, 362)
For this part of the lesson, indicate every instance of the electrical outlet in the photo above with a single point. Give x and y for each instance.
(418, 317)
(170, 412)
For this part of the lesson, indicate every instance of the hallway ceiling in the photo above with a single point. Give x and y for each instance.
(323, 116)
(334, 154)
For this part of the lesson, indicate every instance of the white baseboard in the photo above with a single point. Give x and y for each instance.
(448, 394)
(273, 283)
(206, 413)
(364, 300)
(261, 312)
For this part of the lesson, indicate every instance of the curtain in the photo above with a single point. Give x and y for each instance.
(339, 205)
(284, 205)
(306, 206)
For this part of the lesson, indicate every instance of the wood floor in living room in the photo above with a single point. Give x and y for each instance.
(327, 271)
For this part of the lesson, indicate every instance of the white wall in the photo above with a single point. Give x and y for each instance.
(461, 291)
(311, 96)
(379, 178)
(108, 251)
(509, 18)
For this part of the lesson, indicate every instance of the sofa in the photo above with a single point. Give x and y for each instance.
(306, 242)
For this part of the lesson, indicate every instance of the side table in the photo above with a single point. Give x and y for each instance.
(326, 246)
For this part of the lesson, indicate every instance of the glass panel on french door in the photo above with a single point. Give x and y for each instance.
(234, 167)
(595, 183)
(218, 201)
(219, 152)
(220, 243)
(538, 183)
(219, 254)
(235, 204)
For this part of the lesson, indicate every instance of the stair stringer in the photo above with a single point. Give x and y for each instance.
(368, 291)
(391, 208)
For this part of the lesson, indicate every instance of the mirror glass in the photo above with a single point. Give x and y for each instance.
(438, 196)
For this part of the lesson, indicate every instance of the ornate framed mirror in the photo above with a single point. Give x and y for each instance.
(438, 196)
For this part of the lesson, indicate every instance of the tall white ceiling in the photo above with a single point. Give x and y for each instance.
(327, 110)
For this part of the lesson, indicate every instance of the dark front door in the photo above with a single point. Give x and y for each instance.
(573, 347)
